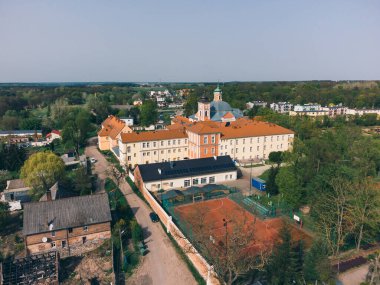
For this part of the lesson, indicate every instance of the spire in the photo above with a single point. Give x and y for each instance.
(218, 94)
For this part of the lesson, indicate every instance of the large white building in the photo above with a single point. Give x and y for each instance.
(281, 107)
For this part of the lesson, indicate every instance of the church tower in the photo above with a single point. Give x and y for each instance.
(203, 109)
(217, 94)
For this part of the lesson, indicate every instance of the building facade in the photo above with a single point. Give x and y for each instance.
(281, 107)
(185, 173)
(110, 131)
(71, 225)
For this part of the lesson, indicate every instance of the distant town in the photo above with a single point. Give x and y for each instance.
(189, 183)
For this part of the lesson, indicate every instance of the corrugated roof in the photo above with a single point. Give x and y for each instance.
(153, 136)
(185, 168)
(65, 213)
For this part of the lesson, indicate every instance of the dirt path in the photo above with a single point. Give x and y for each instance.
(162, 265)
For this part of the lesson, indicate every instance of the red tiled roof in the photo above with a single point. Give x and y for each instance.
(111, 127)
(153, 136)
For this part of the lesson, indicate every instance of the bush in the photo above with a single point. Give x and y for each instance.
(137, 232)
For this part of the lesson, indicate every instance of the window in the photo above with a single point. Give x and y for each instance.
(205, 139)
(169, 151)
(265, 147)
(213, 150)
(258, 140)
(236, 142)
(147, 144)
(230, 176)
(251, 140)
(236, 151)
(85, 228)
(154, 144)
(271, 138)
(211, 179)
(250, 149)
(162, 151)
(203, 180)
(143, 153)
(53, 233)
(155, 152)
(168, 142)
(173, 142)
(185, 141)
(221, 147)
(144, 145)
(231, 142)
(258, 148)
(179, 150)
(213, 139)
(129, 158)
(278, 138)
(174, 150)
(171, 184)
(195, 181)
(53, 244)
(243, 149)
(162, 143)
(134, 155)
(84, 239)
(226, 177)
(70, 230)
(205, 151)
(179, 141)
(243, 141)
(63, 244)
(186, 183)
(129, 149)
(281, 145)
(265, 139)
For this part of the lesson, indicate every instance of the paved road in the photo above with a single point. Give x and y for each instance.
(162, 265)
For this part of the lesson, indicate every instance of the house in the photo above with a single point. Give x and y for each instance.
(33, 269)
(54, 134)
(216, 110)
(128, 121)
(70, 226)
(185, 173)
(361, 112)
(281, 107)
(70, 159)
(21, 136)
(111, 128)
(16, 190)
(250, 105)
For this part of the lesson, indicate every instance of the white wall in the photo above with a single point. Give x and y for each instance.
(179, 182)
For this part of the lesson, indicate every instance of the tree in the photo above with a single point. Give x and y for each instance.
(12, 157)
(41, 171)
(4, 213)
(4, 176)
(289, 186)
(373, 275)
(148, 113)
(83, 184)
(364, 209)
(271, 185)
(276, 157)
(230, 252)
(75, 131)
(116, 175)
(281, 269)
(317, 266)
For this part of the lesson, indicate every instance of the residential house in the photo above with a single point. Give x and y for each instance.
(281, 107)
(70, 225)
(111, 128)
(54, 134)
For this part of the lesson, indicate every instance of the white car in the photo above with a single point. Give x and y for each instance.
(92, 159)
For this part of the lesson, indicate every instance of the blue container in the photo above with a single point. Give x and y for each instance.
(259, 184)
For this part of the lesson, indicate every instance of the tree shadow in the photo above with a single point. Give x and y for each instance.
(68, 266)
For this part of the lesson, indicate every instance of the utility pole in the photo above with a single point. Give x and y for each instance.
(250, 179)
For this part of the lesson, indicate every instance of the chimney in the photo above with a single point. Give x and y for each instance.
(48, 195)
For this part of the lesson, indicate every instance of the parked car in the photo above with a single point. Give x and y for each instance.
(154, 217)
(93, 160)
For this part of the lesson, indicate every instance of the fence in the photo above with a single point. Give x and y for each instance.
(204, 269)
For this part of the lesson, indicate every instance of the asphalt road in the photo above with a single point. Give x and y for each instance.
(162, 265)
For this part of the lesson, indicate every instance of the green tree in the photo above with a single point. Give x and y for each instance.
(317, 266)
(275, 157)
(148, 113)
(41, 171)
(271, 185)
(4, 213)
(289, 186)
(83, 184)
(12, 157)
(281, 269)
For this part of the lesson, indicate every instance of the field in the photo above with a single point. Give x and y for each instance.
(213, 214)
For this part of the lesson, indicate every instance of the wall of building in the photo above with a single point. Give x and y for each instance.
(153, 151)
(192, 181)
(94, 235)
(103, 143)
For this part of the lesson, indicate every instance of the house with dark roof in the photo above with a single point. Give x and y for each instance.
(185, 173)
(70, 225)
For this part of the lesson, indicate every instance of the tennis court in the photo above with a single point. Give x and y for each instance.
(213, 214)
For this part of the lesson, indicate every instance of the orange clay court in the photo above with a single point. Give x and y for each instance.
(212, 213)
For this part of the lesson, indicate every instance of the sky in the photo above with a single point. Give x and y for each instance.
(189, 40)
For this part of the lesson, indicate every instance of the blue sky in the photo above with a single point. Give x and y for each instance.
(64, 40)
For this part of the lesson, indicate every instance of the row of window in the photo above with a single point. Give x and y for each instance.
(282, 137)
(251, 148)
(196, 181)
(169, 142)
(162, 152)
(205, 139)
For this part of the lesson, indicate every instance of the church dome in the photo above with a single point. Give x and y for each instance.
(220, 106)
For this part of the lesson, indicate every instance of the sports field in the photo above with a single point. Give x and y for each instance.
(213, 214)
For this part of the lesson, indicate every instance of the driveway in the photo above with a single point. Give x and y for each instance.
(162, 264)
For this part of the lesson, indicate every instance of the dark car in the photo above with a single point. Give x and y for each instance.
(154, 217)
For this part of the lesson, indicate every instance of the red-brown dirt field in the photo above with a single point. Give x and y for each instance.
(212, 213)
